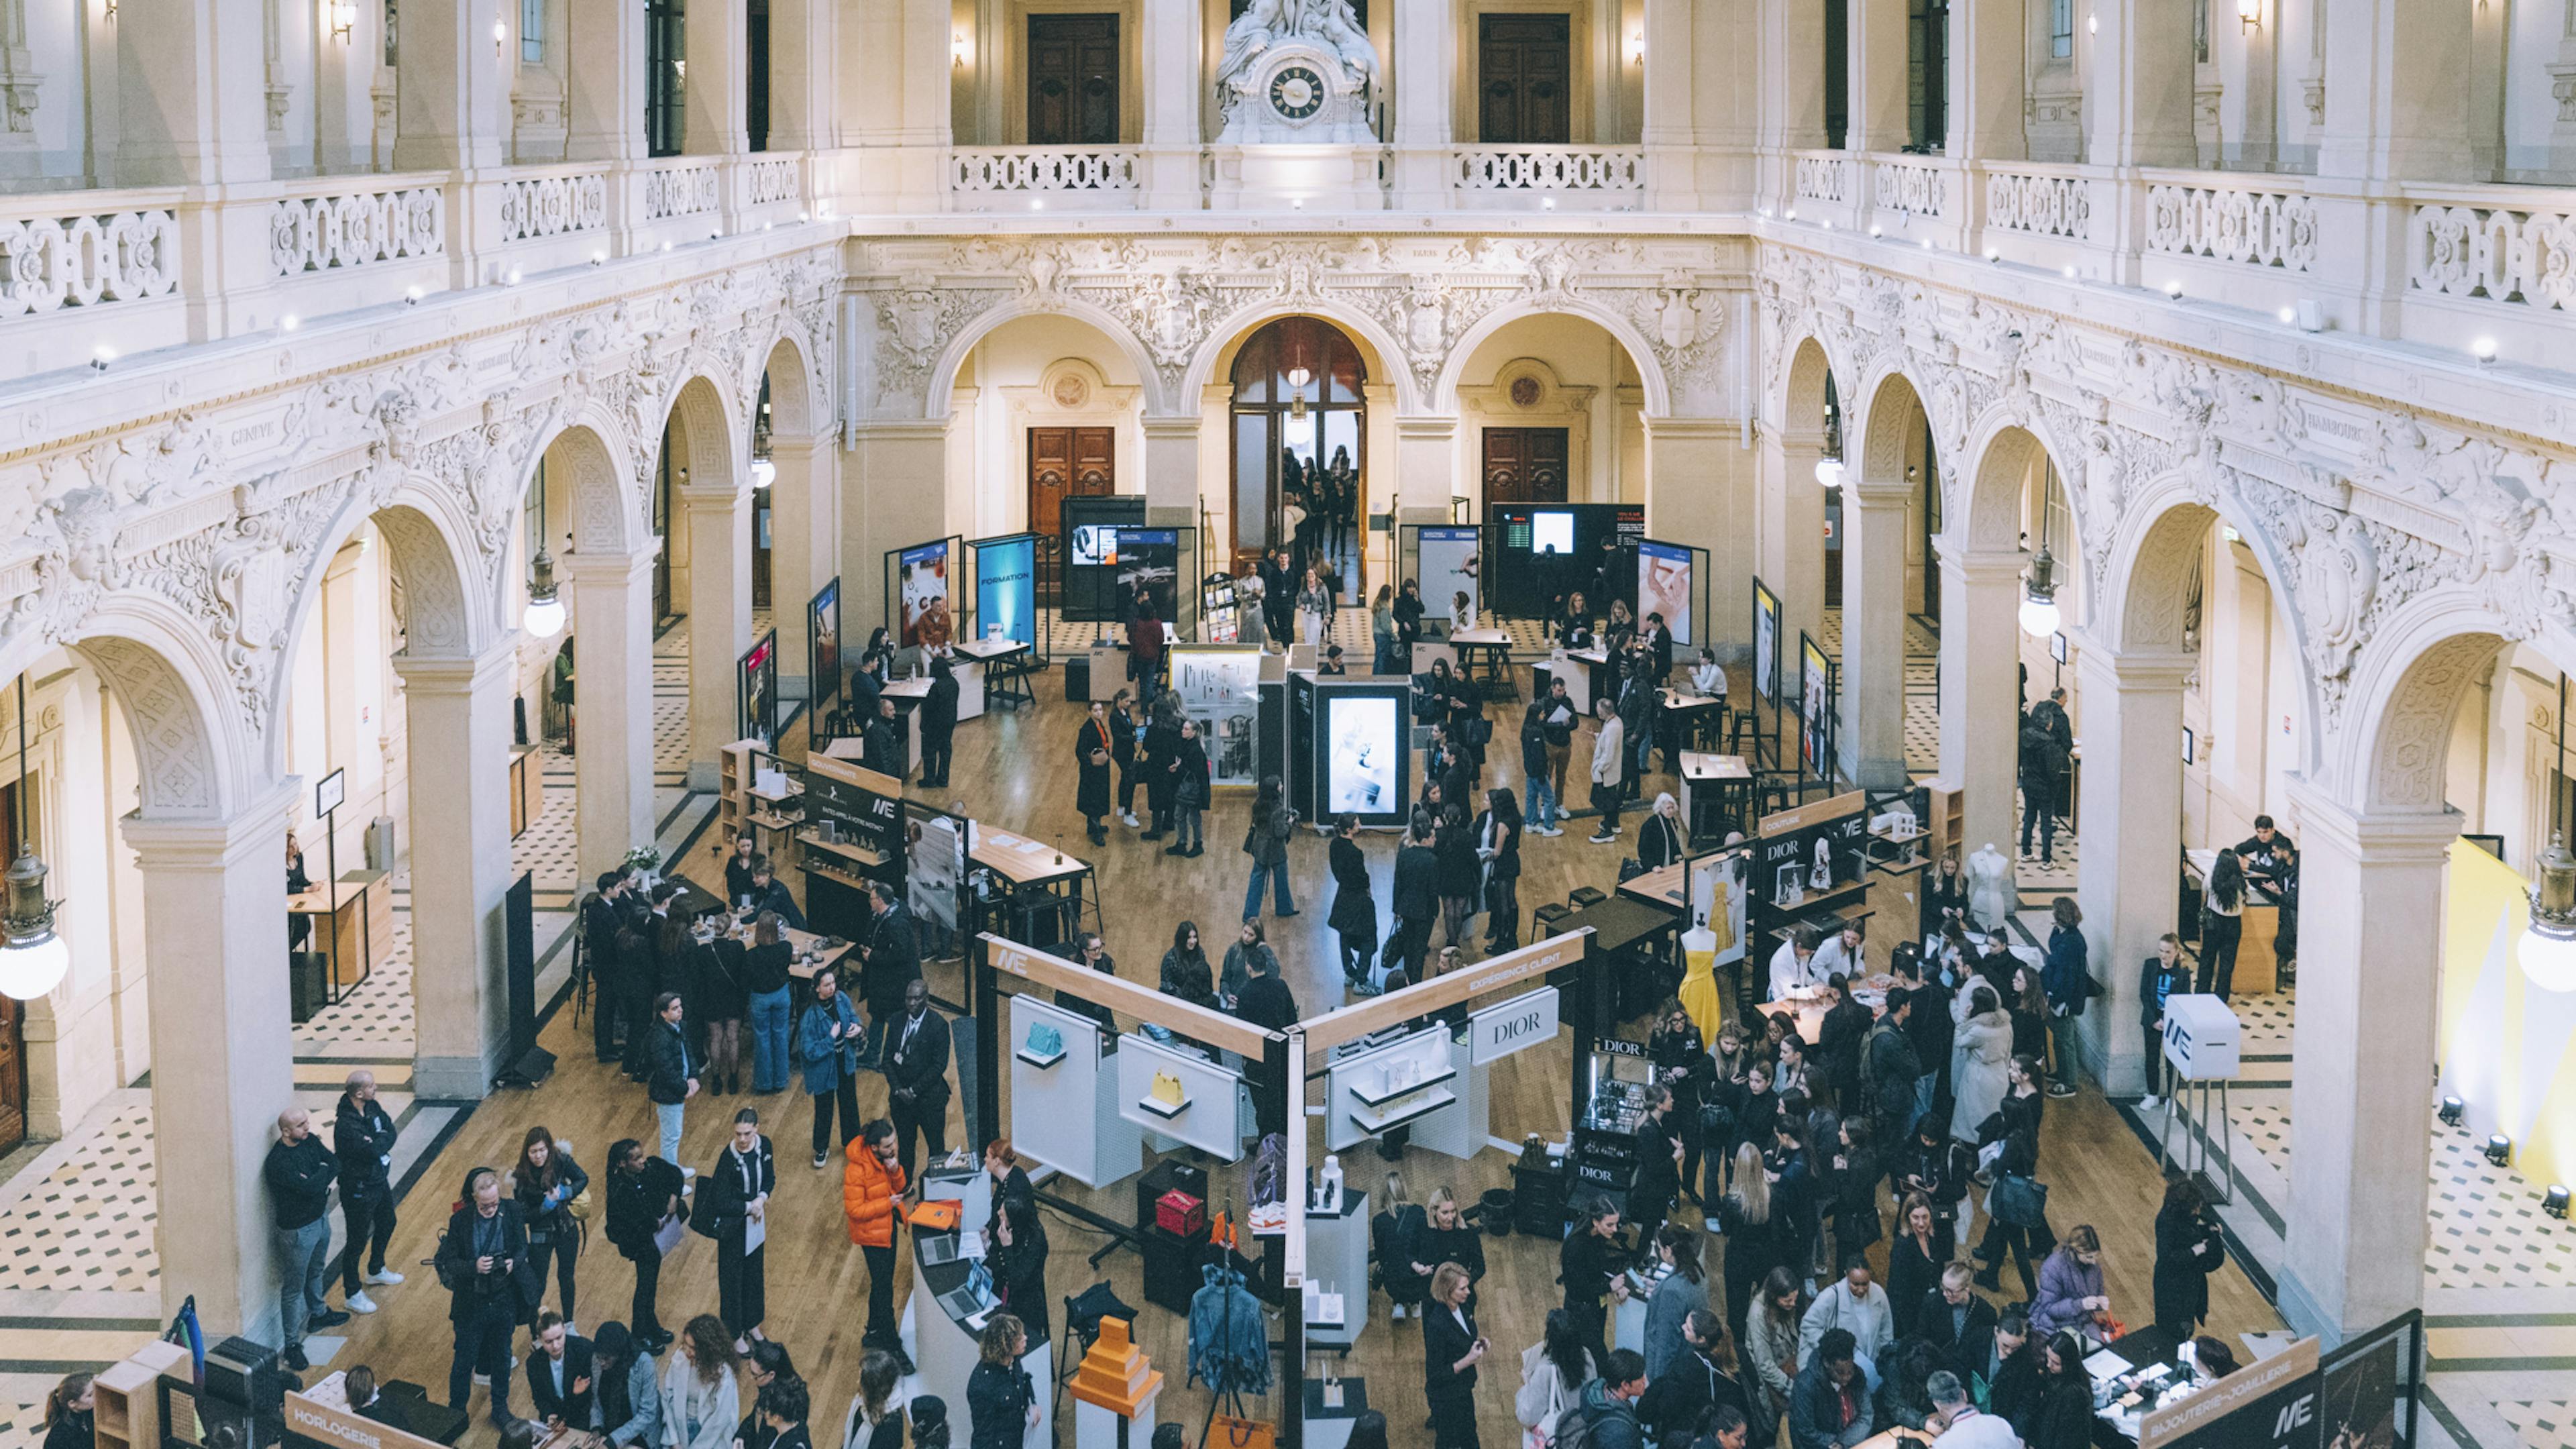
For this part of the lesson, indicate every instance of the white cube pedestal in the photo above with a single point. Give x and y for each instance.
(1097, 1428)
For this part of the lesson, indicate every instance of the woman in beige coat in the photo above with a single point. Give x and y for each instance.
(1980, 1063)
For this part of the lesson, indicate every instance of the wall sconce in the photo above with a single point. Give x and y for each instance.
(500, 35)
(2093, 23)
(959, 52)
(344, 19)
(2249, 14)
(1636, 47)
(111, 12)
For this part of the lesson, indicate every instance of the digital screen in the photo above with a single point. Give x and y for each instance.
(1664, 587)
(1550, 529)
(1364, 751)
(1150, 559)
(1006, 589)
(925, 595)
(1094, 544)
(1449, 565)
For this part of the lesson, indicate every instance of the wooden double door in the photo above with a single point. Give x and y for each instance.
(1525, 80)
(1065, 463)
(1525, 465)
(1073, 80)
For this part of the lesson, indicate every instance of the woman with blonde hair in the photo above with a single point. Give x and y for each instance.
(1743, 1222)
(1394, 1235)
(1451, 1349)
(702, 1387)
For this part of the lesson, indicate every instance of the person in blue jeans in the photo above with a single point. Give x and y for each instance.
(1534, 769)
(673, 1079)
(765, 978)
(1267, 844)
(299, 1171)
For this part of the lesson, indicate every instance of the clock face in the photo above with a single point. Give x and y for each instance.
(1296, 92)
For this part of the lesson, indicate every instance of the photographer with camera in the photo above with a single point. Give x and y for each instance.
(481, 1262)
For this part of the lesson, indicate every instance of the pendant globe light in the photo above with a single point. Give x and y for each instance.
(2039, 595)
(2548, 946)
(545, 615)
(33, 958)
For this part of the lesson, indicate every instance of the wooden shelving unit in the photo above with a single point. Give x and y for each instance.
(129, 1397)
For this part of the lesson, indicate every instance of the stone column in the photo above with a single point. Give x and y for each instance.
(804, 549)
(2364, 1084)
(1172, 470)
(1792, 115)
(1424, 78)
(459, 737)
(2133, 807)
(896, 493)
(1172, 51)
(1699, 489)
(2138, 90)
(2397, 105)
(1979, 663)
(1873, 703)
(604, 81)
(1669, 133)
(1792, 557)
(223, 1052)
(1880, 60)
(1426, 470)
(1988, 44)
(452, 95)
(718, 519)
(611, 599)
(718, 47)
(803, 38)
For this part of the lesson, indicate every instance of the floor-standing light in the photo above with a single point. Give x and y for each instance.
(33, 959)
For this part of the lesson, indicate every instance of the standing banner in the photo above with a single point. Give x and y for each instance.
(1664, 587)
(823, 649)
(1766, 642)
(756, 699)
(1815, 706)
(923, 596)
(1006, 596)
(1450, 562)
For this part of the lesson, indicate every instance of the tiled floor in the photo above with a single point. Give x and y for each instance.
(86, 1221)
(375, 1018)
(2542, 1424)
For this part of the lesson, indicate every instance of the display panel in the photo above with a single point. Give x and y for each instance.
(924, 596)
(1815, 705)
(1363, 754)
(1451, 563)
(1088, 547)
(1664, 587)
(1766, 642)
(1535, 556)
(756, 700)
(823, 647)
(1810, 853)
(1006, 597)
(1094, 544)
(1717, 898)
(1552, 529)
(1220, 688)
(1148, 558)
(934, 865)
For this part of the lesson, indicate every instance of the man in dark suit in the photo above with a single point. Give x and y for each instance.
(364, 1132)
(560, 1377)
(881, 745)
(916, 1072)
(602, 915)
(1278, 595)
(1417, 895)
(1957, 1323)
(889, 962)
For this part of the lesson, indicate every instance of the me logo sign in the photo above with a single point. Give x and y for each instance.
(1515, 1025)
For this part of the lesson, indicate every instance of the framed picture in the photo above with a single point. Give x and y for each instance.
(2189, 742)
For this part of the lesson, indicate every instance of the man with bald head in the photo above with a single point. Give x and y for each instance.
(298, 1171)
(363, 1136)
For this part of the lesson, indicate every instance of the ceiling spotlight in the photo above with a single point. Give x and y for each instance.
(2499, 1149)
(2069, 269)
(1547, 203)
(1873, 230)
(1792, 213)
(2484, 350)
(1037, 203)
(1994, 254)
(1925, 243)
(2289, 316)
(666, 244)
(2173, 290)
(1827, 223)
(411, 295)
(511, 276)
(715, 233)
(2453, 1109)
(101, 355)
(2554, 1202)
(289, 322)
(804, 216)
(599, 258)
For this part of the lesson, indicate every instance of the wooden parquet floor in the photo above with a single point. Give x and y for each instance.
(1016, 770)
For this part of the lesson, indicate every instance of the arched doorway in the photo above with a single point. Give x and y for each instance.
(1300, 422)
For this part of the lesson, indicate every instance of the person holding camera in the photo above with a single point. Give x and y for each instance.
(480, 1261)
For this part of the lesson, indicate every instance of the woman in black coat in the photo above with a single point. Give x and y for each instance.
(2065, 1416)
(1443, 1236)
(1460, 871)
(1016, 1256)
(642, 1192)
(1922, 1248)
(544, 1184)
(1498, 845)
(733, 1195)
(1162, 783)
(2189, 1247)
(1091, 755)
(938, 724)
(1354, 914)
(1451, 1349)
(999, 1394)
(1126, 728)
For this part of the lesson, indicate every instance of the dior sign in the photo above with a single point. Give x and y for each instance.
(1515, 1025)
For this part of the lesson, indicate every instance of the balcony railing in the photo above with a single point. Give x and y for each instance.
(772, 179)
(1043, 168)
(682, 186)
(1824, 177)
(2040, 203)
(1910, 187)
(553, 205)
(122, 247)
(2521, 252)
(2211, 216)
(332, 227)
(1548, 168)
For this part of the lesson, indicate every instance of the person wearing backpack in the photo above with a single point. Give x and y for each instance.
(1608, 1417)
(1554, 1371)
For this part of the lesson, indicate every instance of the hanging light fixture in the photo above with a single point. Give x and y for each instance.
(1301, 425)
(1829, 468)
(2548, 945)
(33, 959)
(545, 616)
(2039, 598)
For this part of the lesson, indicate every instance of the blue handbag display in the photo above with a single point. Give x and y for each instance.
(1044, 1040)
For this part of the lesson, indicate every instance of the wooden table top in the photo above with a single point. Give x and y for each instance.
(1022, 860)
(1697, 766)
(811, 955)
(1662, 887)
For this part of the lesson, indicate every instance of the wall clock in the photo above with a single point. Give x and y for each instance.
(1296, 93)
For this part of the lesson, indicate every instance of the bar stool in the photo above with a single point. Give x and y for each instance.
(1586, 897)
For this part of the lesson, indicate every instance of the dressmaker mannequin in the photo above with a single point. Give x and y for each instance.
(1990, 886)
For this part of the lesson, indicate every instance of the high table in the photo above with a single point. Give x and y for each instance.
(1666, 887)
(2258, 969)
(1583, 671)
(1621, 923)
(943, 1319)
(1046, 885)
(1000, 670)
(1719, 786)
(908, 696)
(1488, 651)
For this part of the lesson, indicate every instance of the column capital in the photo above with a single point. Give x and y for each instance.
(1671, 428)
(1427, 429)
(608, 568)
(1799, 440)
(887, 430)
(211, 841)
(1980, 565)
(707, 497)
(1174, 429)
(458, 674)
(2132, 670)
(1878, 492)
(2383, 837)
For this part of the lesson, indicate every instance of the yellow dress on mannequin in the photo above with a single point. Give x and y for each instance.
(1699, 994)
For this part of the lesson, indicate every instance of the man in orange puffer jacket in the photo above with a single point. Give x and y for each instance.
(871, 1185)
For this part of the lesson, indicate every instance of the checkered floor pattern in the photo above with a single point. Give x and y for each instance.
(2488, 1229)
(375, 1018)
(2541, 1424)
(88, 1223)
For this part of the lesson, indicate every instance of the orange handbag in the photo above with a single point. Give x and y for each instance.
(1221, 1229)
(1229, 1432)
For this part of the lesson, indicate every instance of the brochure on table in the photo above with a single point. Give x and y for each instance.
(1414, 1082)
(1064, 1098)
(1207, 1116)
